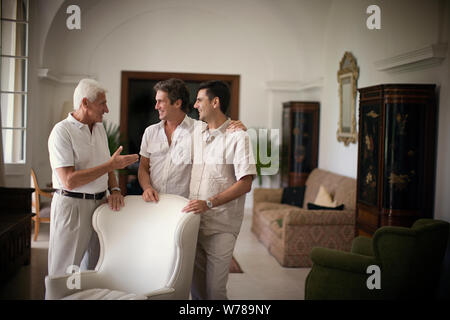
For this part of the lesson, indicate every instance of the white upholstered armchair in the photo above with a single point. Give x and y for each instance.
(147, 251)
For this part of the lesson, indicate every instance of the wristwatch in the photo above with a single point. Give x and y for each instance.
(115, 189)
(209, 204)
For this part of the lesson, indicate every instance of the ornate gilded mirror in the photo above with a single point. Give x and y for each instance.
(347, 78)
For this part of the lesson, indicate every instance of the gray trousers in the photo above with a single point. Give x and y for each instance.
(212, 265)
(73, 241)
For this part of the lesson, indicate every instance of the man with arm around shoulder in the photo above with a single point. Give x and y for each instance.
(222, 174)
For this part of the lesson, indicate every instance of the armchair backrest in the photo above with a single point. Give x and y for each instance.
(147, 246)
(411, 258)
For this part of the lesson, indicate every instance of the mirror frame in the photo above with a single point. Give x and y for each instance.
(350, 70)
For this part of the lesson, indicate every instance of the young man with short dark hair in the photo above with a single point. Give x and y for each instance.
(219, 182)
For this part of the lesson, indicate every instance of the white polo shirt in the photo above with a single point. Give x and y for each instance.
(71, 143)
(170, 166)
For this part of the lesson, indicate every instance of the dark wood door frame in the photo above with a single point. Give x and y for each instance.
(127, 76)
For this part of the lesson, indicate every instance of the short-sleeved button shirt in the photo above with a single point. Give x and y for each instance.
(225, 159)
(170, 165)
(71, 143)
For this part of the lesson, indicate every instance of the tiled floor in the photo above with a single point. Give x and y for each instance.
(263, 277)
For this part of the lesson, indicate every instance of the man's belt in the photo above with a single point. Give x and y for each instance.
(90, 196)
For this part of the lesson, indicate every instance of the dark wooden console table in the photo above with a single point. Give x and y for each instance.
(15, 230)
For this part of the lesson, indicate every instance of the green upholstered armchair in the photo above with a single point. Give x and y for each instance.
(409, 259)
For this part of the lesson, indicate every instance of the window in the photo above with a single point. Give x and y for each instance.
(14, 65)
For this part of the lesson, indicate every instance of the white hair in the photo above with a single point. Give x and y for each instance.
(86, 88)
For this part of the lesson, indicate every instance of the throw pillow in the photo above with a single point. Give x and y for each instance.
(324, 198)
(312, 206)
(293, 196)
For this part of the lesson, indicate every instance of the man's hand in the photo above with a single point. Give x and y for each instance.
(150, 195)
(196, 206)
(115, 200)
(72, 178)
(118, 161)
(236, 125)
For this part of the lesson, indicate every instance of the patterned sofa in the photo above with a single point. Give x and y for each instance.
(290, 232)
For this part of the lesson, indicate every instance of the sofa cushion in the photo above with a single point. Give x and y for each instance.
(317, 178)
(346, 193)
(312, 206)
(341, 188)
(324, 198)
(265, 206)
(293, 196)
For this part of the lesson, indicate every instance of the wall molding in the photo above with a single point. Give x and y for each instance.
(429, 56)
(294, 86)
(14, 169)
(47, 74)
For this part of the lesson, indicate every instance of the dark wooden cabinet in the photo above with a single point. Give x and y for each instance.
(396, 155)
(15, 230)
(300, 132)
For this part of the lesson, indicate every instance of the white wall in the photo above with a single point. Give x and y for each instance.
(405, 26)
(257, 39)
(260, 40)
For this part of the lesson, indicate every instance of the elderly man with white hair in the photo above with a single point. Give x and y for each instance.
(82, 171)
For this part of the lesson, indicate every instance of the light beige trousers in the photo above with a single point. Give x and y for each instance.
(73, 241)
(212, 265)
